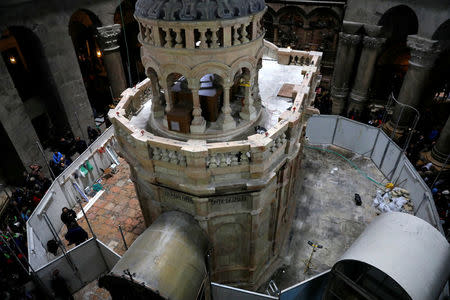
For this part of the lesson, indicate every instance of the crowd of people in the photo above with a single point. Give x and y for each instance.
(21, 204)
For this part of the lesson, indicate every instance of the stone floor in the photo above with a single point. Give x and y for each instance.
(326, 213)
(118, 205)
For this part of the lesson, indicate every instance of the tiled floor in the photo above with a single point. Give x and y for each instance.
(117, 206)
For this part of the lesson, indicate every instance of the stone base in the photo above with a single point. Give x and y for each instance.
(248, 116)
(428, 158)
(338, 106)
(198, 128)
(228, 124)
(389, 128)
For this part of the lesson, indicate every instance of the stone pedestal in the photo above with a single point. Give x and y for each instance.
(345, 58)
(198, 124)
(423, 56)
(248, 112)
(439, 155)
(108, 37)
(228, 120)
(366, 65)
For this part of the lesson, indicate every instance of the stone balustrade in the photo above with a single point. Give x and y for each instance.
(201, 35)
(196, 163)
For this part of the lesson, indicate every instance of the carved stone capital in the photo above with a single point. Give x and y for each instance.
(423, 51)
(108, 37)
(349, 39)
(373, 42)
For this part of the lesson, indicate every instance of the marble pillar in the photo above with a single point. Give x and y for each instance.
(228, 120)
(439, 155)
(423, 56)
(348, 44)
(248, 112)
(108, 37)
(366, 66)
(198, 124)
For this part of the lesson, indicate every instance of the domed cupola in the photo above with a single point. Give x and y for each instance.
(197, 10)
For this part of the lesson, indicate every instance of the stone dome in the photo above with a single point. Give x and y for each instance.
(197, 10)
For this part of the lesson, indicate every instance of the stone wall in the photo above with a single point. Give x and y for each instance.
(238, 191)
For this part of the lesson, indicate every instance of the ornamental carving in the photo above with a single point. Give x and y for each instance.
(349, 39)
(423, 51)
(372, 42)
(108, 37)
(188, 10)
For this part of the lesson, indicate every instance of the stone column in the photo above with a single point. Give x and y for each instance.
(366, 66)
(275, 33)
(198, 124)
(108, 37)
(441, 150)
(228, 120)
(342, 69)
(17, 123)
(423, 56)
(248, 112)
(157, 108)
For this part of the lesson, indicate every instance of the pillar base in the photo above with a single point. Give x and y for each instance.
(439, 165)
(200, 128)
(248, 116)
(389, 128)
(228, 123)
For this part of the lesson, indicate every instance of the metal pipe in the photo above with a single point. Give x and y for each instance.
(123, 238)
(45, 159)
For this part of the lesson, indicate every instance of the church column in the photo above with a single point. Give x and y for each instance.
(423, 56)
(16, 122)
(228, 120)
(108, 37)
(157, 109)
(275, 33)
(198, 124)
(441, 150)
(366, 66)
(345, 57)
(248, 112)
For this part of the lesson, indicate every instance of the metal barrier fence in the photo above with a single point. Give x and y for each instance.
(88, 260)
(224, 292)
(373, 143)
(311, 289)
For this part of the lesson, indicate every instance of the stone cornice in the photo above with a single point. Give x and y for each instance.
(349, 39)
(108, 37)
(423, 51)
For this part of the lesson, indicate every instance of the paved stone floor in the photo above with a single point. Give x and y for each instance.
(326, 213)
(117, 206)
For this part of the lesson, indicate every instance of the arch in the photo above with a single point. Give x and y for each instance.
(82, 27)
(214, 68)
(442, 33)
(149, 62)
(29, 69)
(244, 62)
(174, 68)
(288, 10)
(398, 22)
(324, 11)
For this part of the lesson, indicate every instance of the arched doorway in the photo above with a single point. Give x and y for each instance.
(291, 32)
(82, 28)
(27, 65)
(211, 98)
(392, 64)
(180, 103)
(324, 25)
(129, 43)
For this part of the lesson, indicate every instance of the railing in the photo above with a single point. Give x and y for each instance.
(172, 162)
(373, 143)
(45, 222)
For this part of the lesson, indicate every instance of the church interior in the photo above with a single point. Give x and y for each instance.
(225, 149)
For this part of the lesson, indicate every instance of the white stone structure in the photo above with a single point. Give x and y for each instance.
(238, 189)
